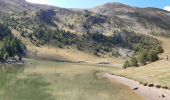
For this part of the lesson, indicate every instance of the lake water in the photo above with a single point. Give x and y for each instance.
(50, 80)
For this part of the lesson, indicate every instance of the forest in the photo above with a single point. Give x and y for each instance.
(10, 47)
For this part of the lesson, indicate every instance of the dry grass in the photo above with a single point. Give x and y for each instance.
(166, 46)
(156, 73)
(73, 55)
(70, 54)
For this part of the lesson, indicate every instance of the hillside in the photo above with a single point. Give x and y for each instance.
(11, 48)
(107, 31)
(146, 20)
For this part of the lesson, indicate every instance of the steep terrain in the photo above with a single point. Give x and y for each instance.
(143, 20)
(110, 30)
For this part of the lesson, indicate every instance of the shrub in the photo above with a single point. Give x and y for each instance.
(159, 49)
(134, 62)
(142, 57)
(126, 65)
(152, 56)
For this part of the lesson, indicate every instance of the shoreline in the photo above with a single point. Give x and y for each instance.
(100, 63)
(73, 62)
(12, 63)
(148, 93)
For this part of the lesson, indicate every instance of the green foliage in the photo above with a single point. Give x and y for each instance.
(95, 43)
(148, 56)
(59, 37)
(9, 45)
(126, 65)
(152, 56)
(115, 54)
(136, 42)
(4, 32)
(142, 57)
(92, 42)
(134, 62)
(159, 49)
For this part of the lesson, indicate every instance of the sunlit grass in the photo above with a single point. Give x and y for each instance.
(156, 73)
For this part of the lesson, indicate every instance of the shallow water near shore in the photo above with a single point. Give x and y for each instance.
(50, 80)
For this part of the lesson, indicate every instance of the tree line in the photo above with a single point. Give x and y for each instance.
(95, 43)
(144, 57)
(10, 46)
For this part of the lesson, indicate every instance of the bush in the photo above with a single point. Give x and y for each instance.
(142, 58)
(159, 49)
(134, 62)
(126, 65)
(152, 56)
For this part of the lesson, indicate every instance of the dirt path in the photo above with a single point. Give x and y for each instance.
(149, 93)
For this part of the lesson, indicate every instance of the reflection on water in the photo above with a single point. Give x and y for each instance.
(15, 85)
(48, 80)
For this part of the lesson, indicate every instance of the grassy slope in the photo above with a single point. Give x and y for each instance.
(157, 72)
(73, 55)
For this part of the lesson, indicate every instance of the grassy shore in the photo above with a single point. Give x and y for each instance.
(156, 73)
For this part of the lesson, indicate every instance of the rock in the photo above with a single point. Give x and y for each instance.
(136, 88)
(151, 85)
(163, 95)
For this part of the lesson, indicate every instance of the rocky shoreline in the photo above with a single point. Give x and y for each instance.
(147, 92)
(11, 62)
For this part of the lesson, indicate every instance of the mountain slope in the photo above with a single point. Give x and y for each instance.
(145, 20)
(98, 31)
(20, 5)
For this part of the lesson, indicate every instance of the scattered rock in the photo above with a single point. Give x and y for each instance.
(163, 96)
(158, 86)
(151, 85)
(145, 84)
(136, 88)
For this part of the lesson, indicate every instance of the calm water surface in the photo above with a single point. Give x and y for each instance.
(50, 80)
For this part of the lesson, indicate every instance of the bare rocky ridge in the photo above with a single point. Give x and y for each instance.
(145, 20)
